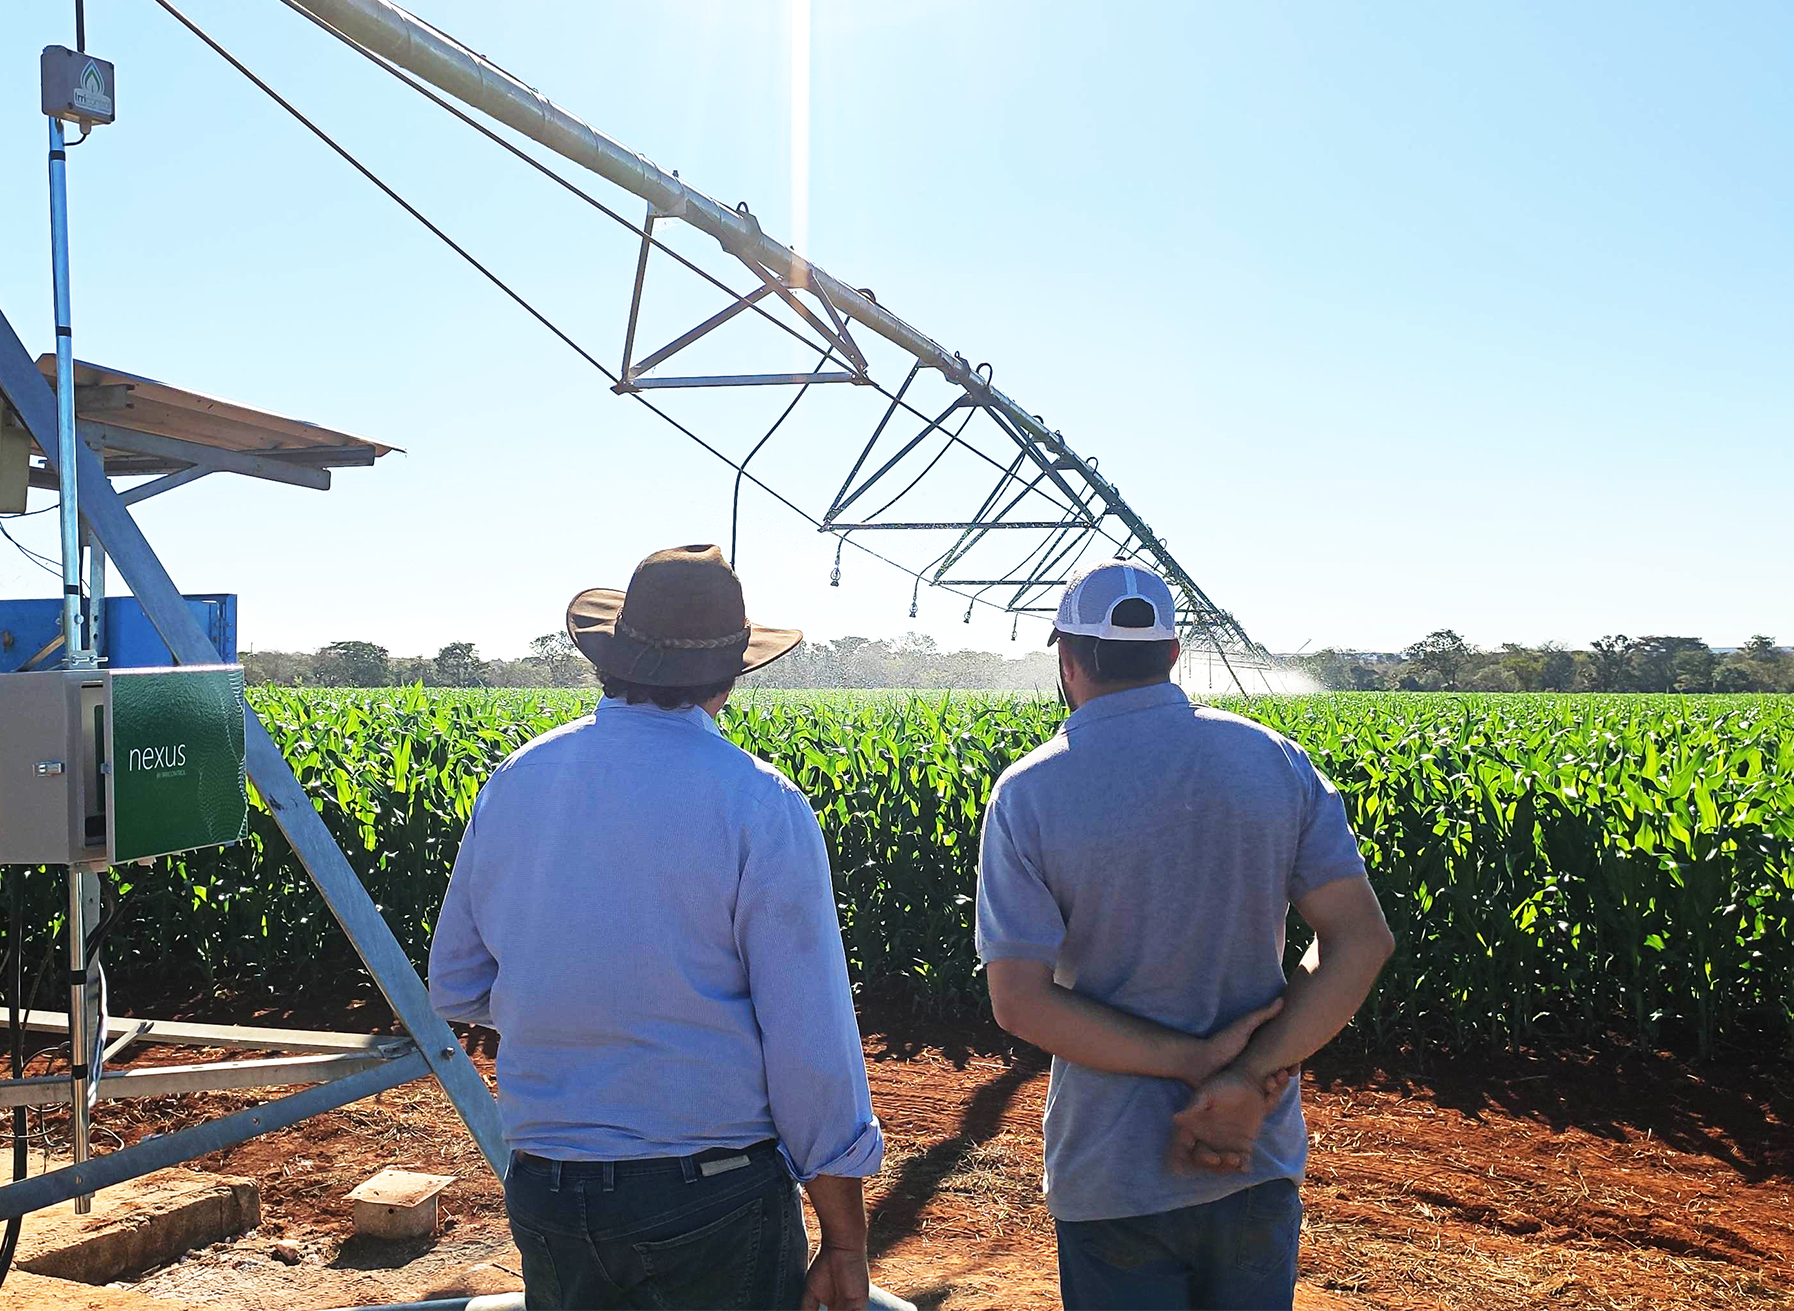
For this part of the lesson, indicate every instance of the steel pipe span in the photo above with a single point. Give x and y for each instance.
(451, 67)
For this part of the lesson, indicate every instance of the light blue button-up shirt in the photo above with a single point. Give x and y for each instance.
(644, 912)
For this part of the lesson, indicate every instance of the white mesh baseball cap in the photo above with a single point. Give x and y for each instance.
(1088, 607)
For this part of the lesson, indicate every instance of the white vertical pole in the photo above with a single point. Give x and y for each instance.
(74, 645)
(84, 888)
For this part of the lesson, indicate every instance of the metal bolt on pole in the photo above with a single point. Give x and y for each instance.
(96, 597)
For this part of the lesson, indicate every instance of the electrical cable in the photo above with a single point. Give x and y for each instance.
(926, 470)
(391, 195)
(81, 46)
(96, 1055)
(735, 501)
(20, 1003)
(112, 909)
(37, 556)
(111, 914)
(16, 1033)
(43, 966)
(516, 296)
(43, 562)
(1053, 537)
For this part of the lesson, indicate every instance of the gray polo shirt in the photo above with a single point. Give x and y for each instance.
(1149, 852)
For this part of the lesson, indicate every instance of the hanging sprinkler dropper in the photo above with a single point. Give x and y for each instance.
(914, 593)
(968, 618)
(1014, 626)
(834, 575)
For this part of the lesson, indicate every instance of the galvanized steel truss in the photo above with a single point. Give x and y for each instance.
(1061, 542)
(1088, 509)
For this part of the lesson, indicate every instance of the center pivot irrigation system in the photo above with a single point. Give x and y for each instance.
(1040, 491)
(102, 765)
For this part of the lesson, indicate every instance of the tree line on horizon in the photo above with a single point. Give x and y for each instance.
(914, 660)
(1443, 661)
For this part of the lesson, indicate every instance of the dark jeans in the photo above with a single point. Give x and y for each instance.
(1236, 1254)
(661, 1233)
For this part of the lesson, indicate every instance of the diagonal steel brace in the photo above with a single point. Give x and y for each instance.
(124, 542)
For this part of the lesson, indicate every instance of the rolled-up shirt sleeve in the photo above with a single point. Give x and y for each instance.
(1327, 849)
(789, 938)
(462, 967)
(1018, 917)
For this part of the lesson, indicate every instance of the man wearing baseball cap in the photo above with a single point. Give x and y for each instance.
(644, 912)
(1134, 882)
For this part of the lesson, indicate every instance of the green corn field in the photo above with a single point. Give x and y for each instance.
(1556, 869)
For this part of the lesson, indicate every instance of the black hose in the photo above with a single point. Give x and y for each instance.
(110, 906)
(16, 1013)
(16, 997)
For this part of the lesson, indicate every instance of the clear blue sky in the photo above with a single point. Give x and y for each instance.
(1387, 316)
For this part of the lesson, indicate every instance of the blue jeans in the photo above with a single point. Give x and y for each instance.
(1235, 1254)
(718, 1230)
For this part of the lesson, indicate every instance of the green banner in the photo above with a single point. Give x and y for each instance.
(177, 761)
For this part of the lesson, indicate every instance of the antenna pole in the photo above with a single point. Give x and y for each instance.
(75, 652)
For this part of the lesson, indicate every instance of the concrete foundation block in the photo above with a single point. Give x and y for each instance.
(137, 1225)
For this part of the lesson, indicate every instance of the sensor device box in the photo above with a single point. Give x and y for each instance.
(77, 87)
(111, 766)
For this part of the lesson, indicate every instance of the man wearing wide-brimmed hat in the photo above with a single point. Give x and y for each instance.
(644, 912)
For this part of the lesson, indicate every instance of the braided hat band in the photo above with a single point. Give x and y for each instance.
(685, 643)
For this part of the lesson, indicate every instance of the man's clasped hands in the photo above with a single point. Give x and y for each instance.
(1217, 1129)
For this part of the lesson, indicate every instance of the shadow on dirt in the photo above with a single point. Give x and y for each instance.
(362, 1253)
(918, 1179)
(896, 1030)
(1738, 1111)
(1738, 1114)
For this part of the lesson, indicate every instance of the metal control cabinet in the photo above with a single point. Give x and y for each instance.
(118, 765)
(52, 803)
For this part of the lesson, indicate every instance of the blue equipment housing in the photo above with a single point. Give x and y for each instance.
(128, 640)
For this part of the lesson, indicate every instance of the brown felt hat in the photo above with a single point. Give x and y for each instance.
(682, 623)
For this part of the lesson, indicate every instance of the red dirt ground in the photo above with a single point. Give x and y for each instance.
(1618, 1180)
